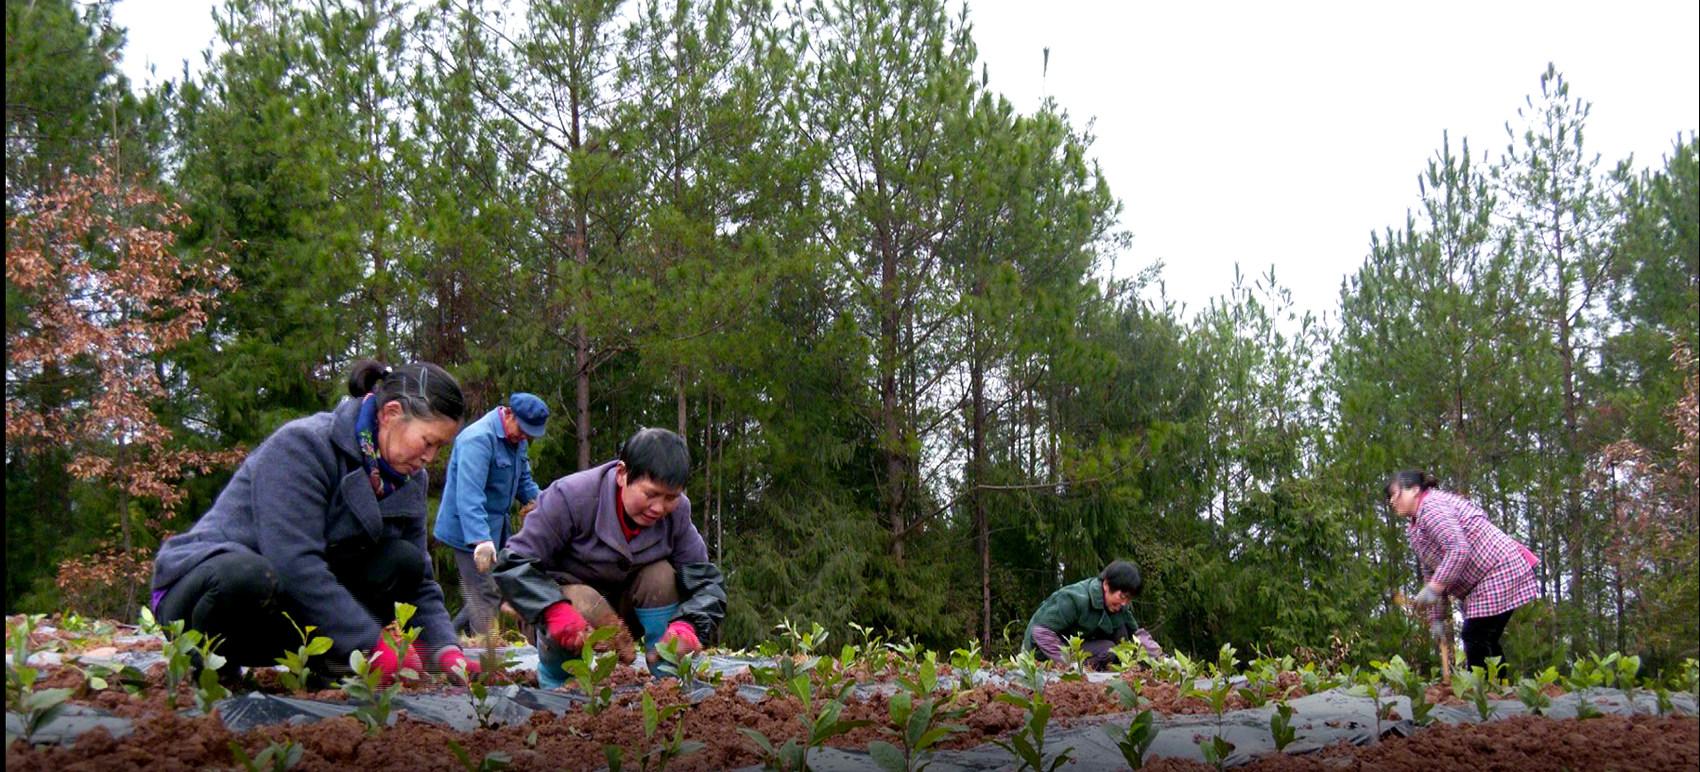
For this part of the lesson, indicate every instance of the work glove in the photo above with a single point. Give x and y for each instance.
(527, 508)
(685, 634)
(451, 658)
(1437, 630)
(1429, 596)
(384, 660)
(564, 625)
(484, 556)
(1148, 643)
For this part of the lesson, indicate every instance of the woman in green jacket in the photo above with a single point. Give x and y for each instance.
(1098, 610)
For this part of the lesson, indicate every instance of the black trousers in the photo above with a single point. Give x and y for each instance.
(237, 597)
(1481, 638)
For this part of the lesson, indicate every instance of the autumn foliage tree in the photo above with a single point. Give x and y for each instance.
(107, 295)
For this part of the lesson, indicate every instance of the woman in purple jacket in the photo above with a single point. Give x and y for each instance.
(614, 542)
(1465, 557)
(325, 520)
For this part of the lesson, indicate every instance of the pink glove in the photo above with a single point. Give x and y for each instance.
(685, 634)
(384, 659)
(563, 623)
(451, 657)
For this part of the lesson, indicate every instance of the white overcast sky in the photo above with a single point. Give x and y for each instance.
(1270, 133)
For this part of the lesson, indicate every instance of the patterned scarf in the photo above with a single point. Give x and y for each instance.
(384, 479)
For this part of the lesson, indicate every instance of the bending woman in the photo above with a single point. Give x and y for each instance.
(324, 520)
(1465, 557)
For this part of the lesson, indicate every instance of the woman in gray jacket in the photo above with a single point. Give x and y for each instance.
(325, 520)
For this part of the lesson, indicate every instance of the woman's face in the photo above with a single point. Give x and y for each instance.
(1404, 500)
(1115, 600)
(646, 501)
(408, 444)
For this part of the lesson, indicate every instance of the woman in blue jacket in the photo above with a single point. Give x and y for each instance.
(325, 520)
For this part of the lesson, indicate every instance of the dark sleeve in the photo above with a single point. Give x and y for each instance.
(291, 496)
(520, 568)
(524, 583)
(432, 616)
(703, 597)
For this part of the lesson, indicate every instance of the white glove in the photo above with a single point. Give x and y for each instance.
(484, 556)
(1428, 596)
(1437, 630)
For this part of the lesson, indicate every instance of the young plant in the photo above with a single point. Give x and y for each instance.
(1585, 676)
(1533, 691)
(1626, 669)
(1409, 683)
(296, 673)
(916, 720)
(35, 707)
(207, 688)
(1216, 748)
(802, 642)
(1262, 679)
(692, 668)
(101, 676)
(1140, 732)
(364, 687)
(1472, 684)
(1074, 659)
(590, 670)
(872, 651)
(492, 761)
(964, 663)
(479, 693)
(1281, 726)
(276, 757)
(662, 753)
(182, 649)
(1316, 681)
(818, 726)
(1226, 664)
(1368, 684)
(1027, 745)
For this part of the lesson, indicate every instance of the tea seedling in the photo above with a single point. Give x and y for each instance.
(276, 757)
(590, 670)
(1409, 683)
(1281, 726)
(1532, 691)
(295, 663)
(1136, 739)
(916, 720)
(1216, 748)
(35, 707)
(494, 760)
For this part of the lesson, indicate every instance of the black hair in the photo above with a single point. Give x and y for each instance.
(423, 389)
(1410, 478)
(1122, 575)
(657, 454)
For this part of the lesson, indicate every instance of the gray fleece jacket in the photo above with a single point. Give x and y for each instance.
(303, 494)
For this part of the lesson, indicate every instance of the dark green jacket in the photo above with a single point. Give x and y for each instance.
(1078, 609)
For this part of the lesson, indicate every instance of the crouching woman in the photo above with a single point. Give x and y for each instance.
(325, 520)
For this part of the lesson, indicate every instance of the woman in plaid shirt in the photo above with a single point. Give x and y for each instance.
(1466, 557)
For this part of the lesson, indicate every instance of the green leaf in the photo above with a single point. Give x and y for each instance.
(887, 756)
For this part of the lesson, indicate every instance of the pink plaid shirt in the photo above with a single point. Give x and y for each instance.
(1467, 554)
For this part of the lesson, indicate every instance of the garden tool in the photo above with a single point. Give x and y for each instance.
(1445, 642)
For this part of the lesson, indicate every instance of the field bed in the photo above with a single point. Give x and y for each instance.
(1335, 726)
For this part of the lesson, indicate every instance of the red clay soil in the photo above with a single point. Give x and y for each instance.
(164, 740)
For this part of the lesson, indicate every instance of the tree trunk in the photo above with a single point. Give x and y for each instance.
(982, 532)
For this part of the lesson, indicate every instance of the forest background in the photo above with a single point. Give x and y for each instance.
(868, 290)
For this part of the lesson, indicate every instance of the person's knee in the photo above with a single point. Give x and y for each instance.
(589, 604)
(243, 579)
(657, 584)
